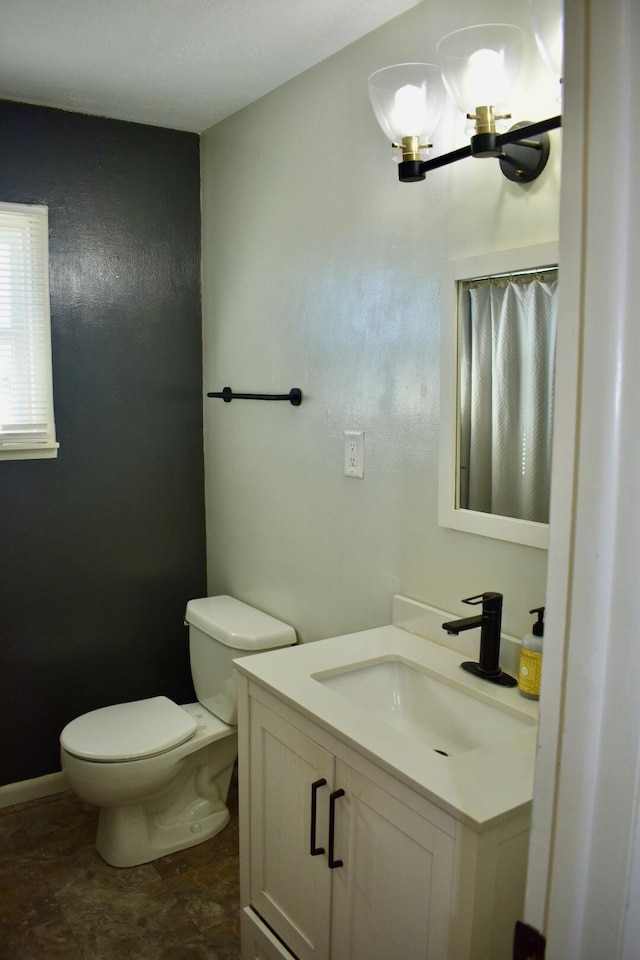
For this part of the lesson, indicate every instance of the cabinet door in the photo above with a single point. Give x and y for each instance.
(392, 896)
(290, 888)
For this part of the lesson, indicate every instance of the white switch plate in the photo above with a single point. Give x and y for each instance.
(354, 453)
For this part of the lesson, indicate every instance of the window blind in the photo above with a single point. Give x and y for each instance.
(26, 395)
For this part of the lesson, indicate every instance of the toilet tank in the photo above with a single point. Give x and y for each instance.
(221, 629)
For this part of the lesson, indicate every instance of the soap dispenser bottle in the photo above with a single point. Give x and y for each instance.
(530, 670)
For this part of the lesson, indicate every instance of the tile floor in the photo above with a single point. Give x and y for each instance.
(60, 901)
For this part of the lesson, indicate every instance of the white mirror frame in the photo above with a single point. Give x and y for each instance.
(449, 515)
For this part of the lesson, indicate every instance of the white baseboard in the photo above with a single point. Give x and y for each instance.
(34, 789)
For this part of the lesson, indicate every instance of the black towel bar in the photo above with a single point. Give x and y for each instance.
(294, 396)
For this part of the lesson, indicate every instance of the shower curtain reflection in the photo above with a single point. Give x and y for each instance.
(506, 365)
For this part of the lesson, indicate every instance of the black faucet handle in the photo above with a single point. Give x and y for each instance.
(492, 600)
(473, 601)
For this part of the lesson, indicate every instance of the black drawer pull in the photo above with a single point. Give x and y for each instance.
(314, 850)
(333, 863)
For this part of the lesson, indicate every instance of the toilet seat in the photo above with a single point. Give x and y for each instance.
(128, 731)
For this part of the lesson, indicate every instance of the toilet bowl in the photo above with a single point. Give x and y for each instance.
(160, 772)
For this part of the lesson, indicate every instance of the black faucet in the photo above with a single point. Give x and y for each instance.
(490, 623)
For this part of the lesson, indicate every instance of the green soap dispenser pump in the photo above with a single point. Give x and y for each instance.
(530, 671)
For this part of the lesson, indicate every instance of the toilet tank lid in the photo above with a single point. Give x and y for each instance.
(238, 625)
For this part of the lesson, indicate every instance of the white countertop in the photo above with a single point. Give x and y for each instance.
(480, 787)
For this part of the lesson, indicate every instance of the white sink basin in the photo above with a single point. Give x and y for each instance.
(450, 718)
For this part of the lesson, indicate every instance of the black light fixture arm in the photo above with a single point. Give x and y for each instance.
(518, 133)
(522, 151)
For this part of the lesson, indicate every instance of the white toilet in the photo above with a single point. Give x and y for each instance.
(158, 771)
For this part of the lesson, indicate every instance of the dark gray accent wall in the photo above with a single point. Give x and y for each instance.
(101, 548)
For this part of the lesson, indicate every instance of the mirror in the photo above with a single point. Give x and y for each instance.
(496, 399)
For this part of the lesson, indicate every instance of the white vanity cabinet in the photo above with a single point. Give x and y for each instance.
(342, 861)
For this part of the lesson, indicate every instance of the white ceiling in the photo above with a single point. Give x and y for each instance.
(184, 64)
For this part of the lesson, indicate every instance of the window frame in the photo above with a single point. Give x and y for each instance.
(48, 448)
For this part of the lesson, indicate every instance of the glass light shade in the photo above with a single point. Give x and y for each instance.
(407, 100)
(480, 65)
(548, 26)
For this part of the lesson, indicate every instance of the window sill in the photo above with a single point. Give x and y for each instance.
(23, 451)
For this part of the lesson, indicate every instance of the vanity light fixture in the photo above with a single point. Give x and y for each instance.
(479, 66)
(547, 20)
(407, 100)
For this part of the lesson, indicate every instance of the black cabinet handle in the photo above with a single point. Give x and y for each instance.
(333, 863)
(314, 850)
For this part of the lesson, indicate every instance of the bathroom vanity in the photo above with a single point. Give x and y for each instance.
(384, 802)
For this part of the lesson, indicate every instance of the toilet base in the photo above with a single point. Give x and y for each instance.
(127, 837)
(193, 809)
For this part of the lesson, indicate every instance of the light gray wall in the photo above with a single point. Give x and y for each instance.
(321, 271)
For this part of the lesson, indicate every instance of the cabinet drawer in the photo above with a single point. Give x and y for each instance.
(258, 942)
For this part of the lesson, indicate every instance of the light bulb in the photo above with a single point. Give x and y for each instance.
(487, 80)
(409, 109)
(480, 65)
